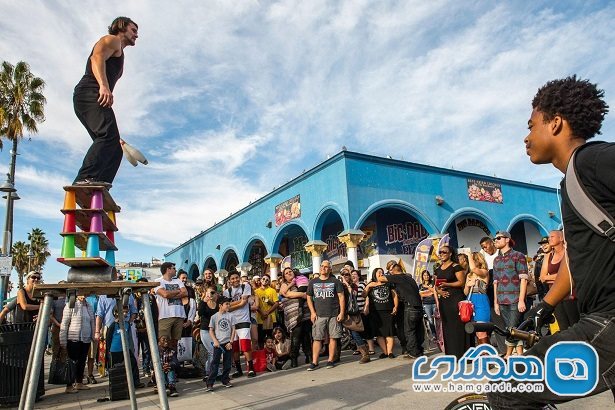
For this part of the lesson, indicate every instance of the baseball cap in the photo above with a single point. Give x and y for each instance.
(544, 239)
(505, 234)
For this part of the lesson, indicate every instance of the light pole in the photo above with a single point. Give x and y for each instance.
(11, 195)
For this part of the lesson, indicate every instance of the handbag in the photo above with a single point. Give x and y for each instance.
(466, 308)
(70, 371)
(354, 323)
(57, 371)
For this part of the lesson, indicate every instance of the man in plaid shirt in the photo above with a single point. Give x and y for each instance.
(510, 278)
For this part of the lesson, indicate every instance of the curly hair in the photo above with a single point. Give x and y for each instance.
(578, 101)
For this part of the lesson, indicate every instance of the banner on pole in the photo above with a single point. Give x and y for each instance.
(6, 265)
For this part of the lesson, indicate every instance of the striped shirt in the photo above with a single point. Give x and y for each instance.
(360, 297)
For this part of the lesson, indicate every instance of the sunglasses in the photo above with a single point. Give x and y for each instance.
(443, 252)
(497, 238)
(35, 277)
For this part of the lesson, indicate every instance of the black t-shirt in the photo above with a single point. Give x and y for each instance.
(324, 296)
(205, 313)
(592, 256)
(407, 289)
(381, 297)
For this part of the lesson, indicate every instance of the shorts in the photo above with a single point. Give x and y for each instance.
(324, 326)
(171, 327)
(243, 339)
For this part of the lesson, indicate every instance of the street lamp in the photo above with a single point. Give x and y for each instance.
(9, 188)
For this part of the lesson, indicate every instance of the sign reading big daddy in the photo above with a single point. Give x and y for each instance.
(485, 191)
(288, 210)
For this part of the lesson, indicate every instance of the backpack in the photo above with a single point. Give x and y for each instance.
(584, 205)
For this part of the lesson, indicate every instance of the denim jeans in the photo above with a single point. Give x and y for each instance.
(209, 347)
(512, 318)
(429, 309)
(357, 338)
(146, 356)
(413, 330)
(170, 378)
(227, 359)
(598, 330)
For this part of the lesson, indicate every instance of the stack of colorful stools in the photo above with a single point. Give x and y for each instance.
(92, 210)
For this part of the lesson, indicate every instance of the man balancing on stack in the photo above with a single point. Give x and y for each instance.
(93, 99)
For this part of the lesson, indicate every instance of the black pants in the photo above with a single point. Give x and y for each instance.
(598, 330)
(296, 340)
(399, 330)
(306, 339)
(118, 357)
(78, 353)
(104, 156)
(414, 332)
(262, 334)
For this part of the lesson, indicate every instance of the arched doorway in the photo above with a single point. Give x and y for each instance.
(193, 272)
(526, 231)
(230, 260)
(467, 227)
(210, 263)
(328, 227)
(254, 254)
(290, 243)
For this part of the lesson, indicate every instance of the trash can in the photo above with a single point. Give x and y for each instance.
(15, 343)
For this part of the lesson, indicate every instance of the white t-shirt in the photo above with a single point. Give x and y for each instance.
(242, 315)
(169, 307)
(489, 258)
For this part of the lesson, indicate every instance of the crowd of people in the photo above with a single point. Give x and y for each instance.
(298, 319)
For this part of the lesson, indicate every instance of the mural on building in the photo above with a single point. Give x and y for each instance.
(288, 210)
(479, 190)
(299, 257)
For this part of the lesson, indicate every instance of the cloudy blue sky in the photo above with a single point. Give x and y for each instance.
(231, 98)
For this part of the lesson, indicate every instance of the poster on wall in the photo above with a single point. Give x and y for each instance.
(287, 210)
(485, 191)
(421, 257)
(132, 274)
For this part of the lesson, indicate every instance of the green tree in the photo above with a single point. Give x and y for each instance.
(40, 248)
(20, 259)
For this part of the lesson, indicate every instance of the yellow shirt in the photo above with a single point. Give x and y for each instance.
(267, 297)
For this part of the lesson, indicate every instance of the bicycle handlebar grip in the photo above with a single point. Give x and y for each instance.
(472, 327)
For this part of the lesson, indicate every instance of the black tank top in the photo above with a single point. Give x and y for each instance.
(114, 67)
(553, 268)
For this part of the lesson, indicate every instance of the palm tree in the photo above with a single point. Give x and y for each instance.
(21, 107)
(40, 248)
(20, 259)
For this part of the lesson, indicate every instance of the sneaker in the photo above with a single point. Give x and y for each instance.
(173, 392)
(237, 374)
(270, 367)
(287, 364)
(92, 380)
(330, 365)
(227, 385)
(312, 367)
(209, 388)
(391, 356)
(251, 373)
(91, 182)
(81, 386)
(383, 356)
(71, 390)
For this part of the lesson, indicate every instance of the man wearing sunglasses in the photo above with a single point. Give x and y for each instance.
(510, 278)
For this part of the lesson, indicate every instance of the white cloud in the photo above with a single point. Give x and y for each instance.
(217, 90)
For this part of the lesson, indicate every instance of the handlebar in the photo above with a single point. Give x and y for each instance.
(530, 337)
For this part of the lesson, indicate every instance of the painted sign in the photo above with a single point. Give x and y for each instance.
(404, 236)
(479, 190)
(133, 274)
(288, 210)
(473, 222)
(256, 259)
(299, 257)
(393, 232)
(421, 257)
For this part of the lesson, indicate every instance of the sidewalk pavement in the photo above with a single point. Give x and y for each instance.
(380, 384)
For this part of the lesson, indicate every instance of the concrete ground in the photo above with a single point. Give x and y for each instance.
(381, 384)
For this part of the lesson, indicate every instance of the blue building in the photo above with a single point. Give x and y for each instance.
(370, 210)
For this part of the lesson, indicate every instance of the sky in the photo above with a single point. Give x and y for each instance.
(229, 99)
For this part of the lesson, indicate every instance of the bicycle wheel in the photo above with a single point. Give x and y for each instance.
(470, 401)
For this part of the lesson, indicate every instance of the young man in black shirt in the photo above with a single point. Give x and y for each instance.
(566, 113)
(408, 291)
